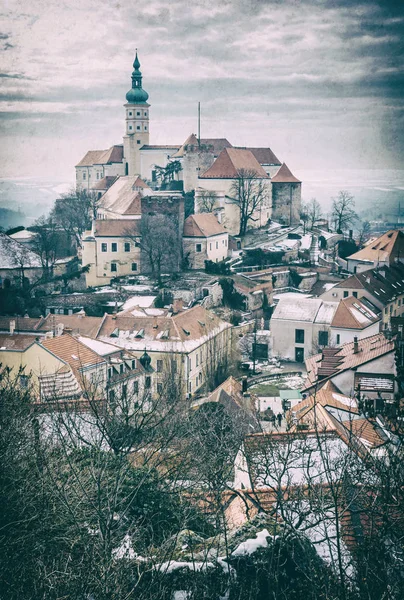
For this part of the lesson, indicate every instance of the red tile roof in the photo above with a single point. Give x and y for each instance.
(385, 248)
(336, 360)
(102, 157)
(353, 313)
(116, 227)
(230, 162)
(72, 352)
(265, 156)
(284, 175)
(202, 225)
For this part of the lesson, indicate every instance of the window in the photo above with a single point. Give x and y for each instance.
(127, 246)
(24, 381)
(299, 336)
(104, 247)
(145, 113)
(109, 373)
(210, 245)
(197, 360)
(346, 294)
(134, 266)
(190, 387)
(173, 365)
(138, 127)
(147, 382)
(159, 388)
(138, 141)
(189, 364)
(114, 247)
(121, 368)
(135, 387)
(134, 364)
(130, 113)
(98, 175)
(159, 366)
(145, 127)
(153, 176)
(355, 294)
(130, 128)
(84, 175)
(338, 339)
(217, 245)
(138, 113)
(299, 355)
(114, 267)
(198, 247)
(112, 396)
(124, 390)
(323, 338)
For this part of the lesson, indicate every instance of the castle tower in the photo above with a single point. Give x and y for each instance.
(136, 122)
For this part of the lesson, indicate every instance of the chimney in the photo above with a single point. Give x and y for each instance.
(177, 305)
(12, 326)
(355, 345)
(244, 384)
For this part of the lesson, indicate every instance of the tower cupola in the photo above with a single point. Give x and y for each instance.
(137, 95)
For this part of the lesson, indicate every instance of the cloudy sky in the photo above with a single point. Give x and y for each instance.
(320, 81)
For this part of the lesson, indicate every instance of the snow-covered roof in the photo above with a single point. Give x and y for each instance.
(310, 310)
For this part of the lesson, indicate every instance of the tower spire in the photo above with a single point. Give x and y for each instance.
(137, 95)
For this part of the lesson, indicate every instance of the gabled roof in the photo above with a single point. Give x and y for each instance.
(264, 156)
(24, 324)
(72, 352)
(385, 248)
(202, 225)
(16, 342)
(284, 175)
(215, 145)
(230, 162)
(353, 313)
(332, 361)
(116, 227)
(76, 323)
(163, 331)
(102, 157)
(104, 183)
(124, 195)
(384, 283)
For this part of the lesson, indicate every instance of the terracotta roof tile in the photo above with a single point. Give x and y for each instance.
(353, 313)
(104, 183)
(72, 352)
(385, 248)
(102, 157)
(116, 227)
(76, 323)
(264, 156)
(284, 175)
(230, 162)
(202, 225)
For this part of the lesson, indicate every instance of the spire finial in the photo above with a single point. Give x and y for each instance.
(136, 63)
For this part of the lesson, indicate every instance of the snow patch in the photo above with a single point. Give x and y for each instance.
(252, 544)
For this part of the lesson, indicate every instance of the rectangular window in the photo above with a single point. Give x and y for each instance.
(346, 294)
(173, 365)
(109, 373)
(197, 360)
(98, 175)
(24, 381)
(299, 336)
(159, 388)
(198, 247)
(124, 390)
(134, 266)
(338, 339)
(147, 383)
(189, 364)
(114, 267)
(138, 141)
(210, 245)
(130, 113)
(114, 247)
(84, 175)
(134, 364)
(121, 368)
(159, 366)
(138, 128)
(145, 114)
(104, 247)
(127, 246)
(135, 387)
(138, 114)
(217, 245)
(299, 355)
(130, 127)
(323, 338)
(355, 294)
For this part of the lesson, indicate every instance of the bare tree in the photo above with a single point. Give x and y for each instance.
(207, 200)
(45, 243)
(249, 193)
(363, 233)
(74, 212)
(314, 212)
(343, 213)
(160, 244)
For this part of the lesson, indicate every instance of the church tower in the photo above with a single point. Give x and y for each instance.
(136, 122)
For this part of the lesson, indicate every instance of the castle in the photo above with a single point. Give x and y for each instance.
(132, 176)
(203, 166)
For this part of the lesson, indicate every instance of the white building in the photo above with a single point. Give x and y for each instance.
(204, 239)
